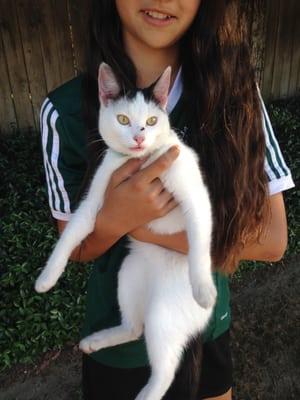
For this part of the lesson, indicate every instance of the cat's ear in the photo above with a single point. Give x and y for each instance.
(161, 88)
(108, 85)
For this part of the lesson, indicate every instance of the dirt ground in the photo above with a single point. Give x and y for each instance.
(266, 333)
(265, 345)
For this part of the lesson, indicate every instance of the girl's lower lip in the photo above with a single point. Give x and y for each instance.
(157, 22)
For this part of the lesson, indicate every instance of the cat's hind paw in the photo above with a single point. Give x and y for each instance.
(89, 344)
(205, 293)
(84, 345)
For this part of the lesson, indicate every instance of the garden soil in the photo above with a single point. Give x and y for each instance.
(265, 345)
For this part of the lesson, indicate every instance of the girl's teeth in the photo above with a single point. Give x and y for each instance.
(155, 14)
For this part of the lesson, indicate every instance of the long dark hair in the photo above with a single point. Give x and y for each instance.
(221, 98)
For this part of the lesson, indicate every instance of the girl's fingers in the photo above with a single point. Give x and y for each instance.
(126, 171)
(156, 187)
(165, 197)
(160, 165)
(169, 206)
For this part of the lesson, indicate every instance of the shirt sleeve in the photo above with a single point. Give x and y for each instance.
(64, 170)
(278, 174)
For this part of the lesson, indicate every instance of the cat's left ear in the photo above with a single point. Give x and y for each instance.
(161, 88)
(108, 85)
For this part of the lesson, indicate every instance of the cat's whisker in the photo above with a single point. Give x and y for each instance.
(100, 155)
(95, 141)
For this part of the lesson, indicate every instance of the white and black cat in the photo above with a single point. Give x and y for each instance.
(165, 295)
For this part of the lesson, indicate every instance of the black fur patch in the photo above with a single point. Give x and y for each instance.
(187, 380)
(146, 92)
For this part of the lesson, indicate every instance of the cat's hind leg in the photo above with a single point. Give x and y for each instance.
(165, 347)
(131, 302)
(109, 337)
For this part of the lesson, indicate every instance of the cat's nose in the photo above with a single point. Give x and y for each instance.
(139, 139)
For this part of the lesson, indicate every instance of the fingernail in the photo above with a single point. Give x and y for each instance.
(174, 150)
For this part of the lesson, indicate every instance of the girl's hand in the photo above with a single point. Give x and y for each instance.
(135, 197)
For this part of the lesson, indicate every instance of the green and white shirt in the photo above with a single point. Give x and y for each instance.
(65, 161)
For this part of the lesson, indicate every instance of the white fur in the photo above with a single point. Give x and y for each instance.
(164, 294)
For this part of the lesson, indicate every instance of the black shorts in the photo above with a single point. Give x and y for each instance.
(101, 382)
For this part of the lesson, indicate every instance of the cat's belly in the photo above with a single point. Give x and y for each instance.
(171, 223)
(163, 278)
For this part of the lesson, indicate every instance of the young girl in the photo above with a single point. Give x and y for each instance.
(215, 105)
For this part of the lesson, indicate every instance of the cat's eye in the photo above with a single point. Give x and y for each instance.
(123, 119)
(151, 121)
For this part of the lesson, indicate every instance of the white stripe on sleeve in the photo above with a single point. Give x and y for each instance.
(268, 130)
(281, 184)
(44, 128)
(47, 136)
(278, 173)
(49, 132)
(54, 163)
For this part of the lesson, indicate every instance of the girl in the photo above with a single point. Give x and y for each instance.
(215, 105)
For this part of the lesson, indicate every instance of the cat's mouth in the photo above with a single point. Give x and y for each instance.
(137, 148)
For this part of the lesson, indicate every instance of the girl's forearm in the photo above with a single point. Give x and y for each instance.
(263, 251)
(271, 246)
(177, 241)
(273, 241)
(98, 242)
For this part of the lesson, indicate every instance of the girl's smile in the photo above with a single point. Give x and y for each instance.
(158, 18)
(156, 24)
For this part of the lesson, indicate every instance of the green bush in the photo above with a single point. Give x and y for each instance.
(285, 117)
(32, 324)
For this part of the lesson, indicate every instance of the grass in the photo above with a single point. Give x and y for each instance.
(32, 324)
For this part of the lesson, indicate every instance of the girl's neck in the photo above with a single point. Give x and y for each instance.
(150, 62)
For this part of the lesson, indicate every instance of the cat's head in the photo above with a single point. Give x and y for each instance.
(134, 123)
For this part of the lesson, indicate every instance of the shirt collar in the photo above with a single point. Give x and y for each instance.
(175, 92)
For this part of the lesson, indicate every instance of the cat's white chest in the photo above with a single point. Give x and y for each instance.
(171, 223)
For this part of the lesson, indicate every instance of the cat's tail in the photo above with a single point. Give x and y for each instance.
(187, 380)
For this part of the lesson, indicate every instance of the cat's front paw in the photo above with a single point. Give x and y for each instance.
(45, 282)
(205, 293)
